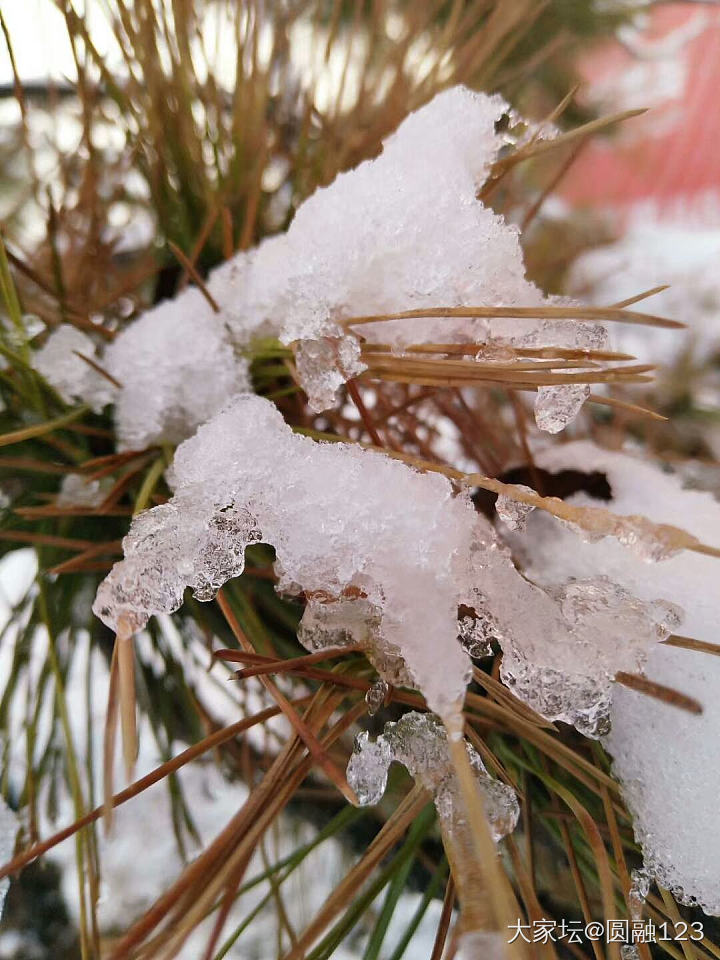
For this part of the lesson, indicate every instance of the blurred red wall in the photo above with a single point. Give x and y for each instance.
(669, 157)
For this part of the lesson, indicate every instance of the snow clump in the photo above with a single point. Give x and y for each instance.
(664, 757)
(403, 231)
(385, 557)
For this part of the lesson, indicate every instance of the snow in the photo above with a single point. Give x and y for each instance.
(400, 232)
(665, 758)
(73, 378)
(9, 827)
(177, 368)
(350, 527)
(650, 253)
(79, 491)
(370, 242)
(385, 557)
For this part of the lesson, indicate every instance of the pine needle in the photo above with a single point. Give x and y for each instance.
(658, 691)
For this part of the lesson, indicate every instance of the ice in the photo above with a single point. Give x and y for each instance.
(476, 633)
(563, 645)
(376, 696)
(79, 491)
(368, 768)
(650, 541)
(73, 378)
(380, 549)
(177, 368)
(514, 513)
(350, 620)
(9, 826)
(639, 890)
(664, 757)
(555, 407)
(419, 742)
(323, 366)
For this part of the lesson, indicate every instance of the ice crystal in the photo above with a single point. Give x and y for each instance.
(419, 742)
(557, 406)
(665, 758)
(60, 361)
(376, 696)
(639, 890)
(514, 513)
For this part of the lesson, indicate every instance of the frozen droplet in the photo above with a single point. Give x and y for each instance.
(557, 406)
(419, 742)
(367, 770)
(325, 365)
(650, 541)
(513, 512)
(639, 890)
(376, 696)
